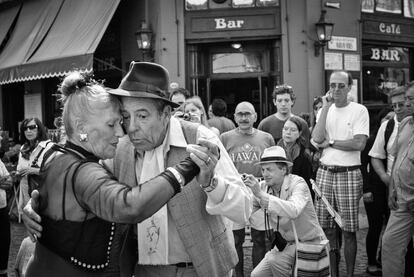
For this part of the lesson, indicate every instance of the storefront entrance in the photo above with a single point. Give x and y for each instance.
(235, 72)
(236, 90)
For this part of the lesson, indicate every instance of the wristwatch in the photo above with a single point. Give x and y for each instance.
(331, 142)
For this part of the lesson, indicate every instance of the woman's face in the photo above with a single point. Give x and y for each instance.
(290, 132)
(31, 130)
(104, 130)
(195, 113)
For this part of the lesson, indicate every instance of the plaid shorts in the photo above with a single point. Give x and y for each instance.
(343, 190)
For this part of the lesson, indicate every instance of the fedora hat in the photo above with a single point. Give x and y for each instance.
(274, 154)
(145, 80)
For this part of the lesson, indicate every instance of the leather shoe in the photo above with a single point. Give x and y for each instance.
(374, 271)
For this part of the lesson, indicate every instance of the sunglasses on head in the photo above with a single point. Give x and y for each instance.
(30, 127)
(337, 85)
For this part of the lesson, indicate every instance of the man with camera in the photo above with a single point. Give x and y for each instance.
(285, 198)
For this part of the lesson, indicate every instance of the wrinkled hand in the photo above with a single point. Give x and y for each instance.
(27, 171)
(251, 182)
(206, 155)
(368, 197)
(31, 219)
(392, 200)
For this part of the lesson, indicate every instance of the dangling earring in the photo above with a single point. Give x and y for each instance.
(83, 137)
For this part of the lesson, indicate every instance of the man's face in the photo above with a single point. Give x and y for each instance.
(399, 106)
(178, 98)
(283, 103)
(145, 125)
(339, 87)
(245, 116)
(273, 173)
(409, 100)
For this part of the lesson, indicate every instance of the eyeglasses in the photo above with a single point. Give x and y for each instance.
(409, 98)
(398, 105)
(29, 127)
(337, 85)
(241, 115)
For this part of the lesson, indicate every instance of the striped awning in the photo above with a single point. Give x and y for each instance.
(52, 38)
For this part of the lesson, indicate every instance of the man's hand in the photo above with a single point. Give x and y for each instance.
(327, 99)
(251, 182)
(392, 199)
(386, 179)
(368, 197)
(206, 155)
(31, 219)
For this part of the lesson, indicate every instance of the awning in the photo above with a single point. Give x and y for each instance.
(7, 18)
(69, 43)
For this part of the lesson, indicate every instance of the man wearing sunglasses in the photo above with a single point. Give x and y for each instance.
(400, 227)
(341, 130)
(375, 195)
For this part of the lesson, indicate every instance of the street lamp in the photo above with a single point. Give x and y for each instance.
(324, 32)
(144, 39)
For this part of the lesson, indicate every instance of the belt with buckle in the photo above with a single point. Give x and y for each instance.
(183, 265)
(337, 169)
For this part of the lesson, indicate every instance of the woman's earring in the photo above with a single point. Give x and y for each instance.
(83, 137)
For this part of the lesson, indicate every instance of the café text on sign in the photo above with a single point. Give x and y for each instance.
(392, 28)
(343, 43)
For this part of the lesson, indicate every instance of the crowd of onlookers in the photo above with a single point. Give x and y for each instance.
(348, 154)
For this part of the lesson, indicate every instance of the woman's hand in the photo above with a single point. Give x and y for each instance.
(206, 155)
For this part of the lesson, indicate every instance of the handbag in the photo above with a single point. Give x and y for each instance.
(312, 259)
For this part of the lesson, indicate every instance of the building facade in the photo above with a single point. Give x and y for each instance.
(232, 49)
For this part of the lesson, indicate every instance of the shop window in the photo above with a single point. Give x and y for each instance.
(243, 3)
(196, 4)
(247, 62)
(384, 68)
(191, 5)
(409, 8)
(389, 6)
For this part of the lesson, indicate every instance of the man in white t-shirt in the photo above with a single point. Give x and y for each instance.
(341, 131)
(375, 192)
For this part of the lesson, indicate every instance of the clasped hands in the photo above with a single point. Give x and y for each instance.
(206, 155)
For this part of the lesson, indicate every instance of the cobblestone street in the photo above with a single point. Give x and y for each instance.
(18, 234)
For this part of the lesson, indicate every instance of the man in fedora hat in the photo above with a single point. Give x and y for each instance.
(284, 197)
(192, 237)
(189, 236)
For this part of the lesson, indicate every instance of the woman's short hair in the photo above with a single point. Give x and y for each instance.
(196, 101)
(82, 97)
(41, 130)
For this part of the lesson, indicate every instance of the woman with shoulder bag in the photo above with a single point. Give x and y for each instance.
(35, 143)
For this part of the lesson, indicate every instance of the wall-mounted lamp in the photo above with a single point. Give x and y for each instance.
(236, 46)
(144, 39)
(324, 32)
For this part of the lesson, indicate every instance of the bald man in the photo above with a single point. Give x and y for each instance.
(245, 145)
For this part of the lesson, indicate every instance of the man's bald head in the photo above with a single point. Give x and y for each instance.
(245, 116)
(245, 107)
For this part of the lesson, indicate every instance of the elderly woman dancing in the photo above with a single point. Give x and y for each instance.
(79, 198)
